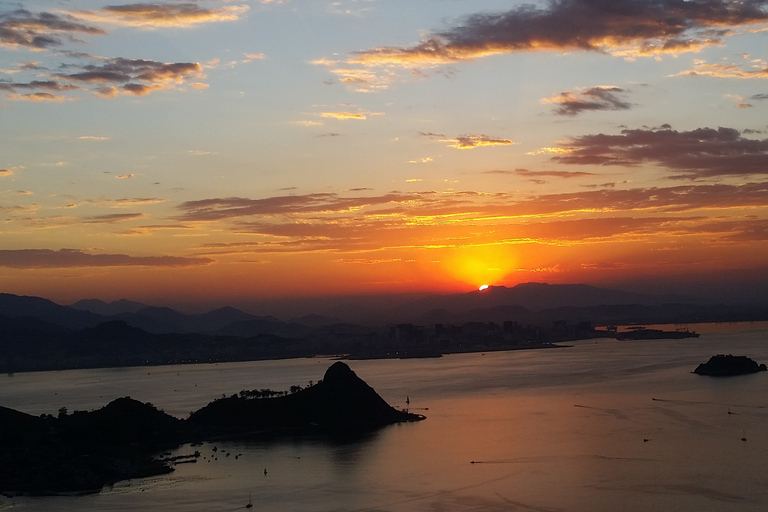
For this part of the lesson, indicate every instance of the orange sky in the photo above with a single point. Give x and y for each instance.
(207, 154)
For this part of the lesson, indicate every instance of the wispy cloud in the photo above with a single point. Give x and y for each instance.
(721, 70)
(73, 258)
(113, 218)
(332, 222)
(162, 15)
(476, 141)
(595, 98)
(544, 174)
(344, 116)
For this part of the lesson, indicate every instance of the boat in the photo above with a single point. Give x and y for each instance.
(250, 502)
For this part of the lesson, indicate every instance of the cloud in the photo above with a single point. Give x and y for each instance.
(476, 141)
(162, 15)
(42, 30)
(113, 218)
(759, 97)
(232, 207)
(704, 152)
(124, 176)
(39, 97)
(344, 116)
(594, 98)
(45, 85)
(120, 70)
(548, 174)
(107, 79)
(703, 68)
(138, 201)
(334, 223)
(629, 28)
(93, 137)
(359, 80)
(6, 172)
(73, 258)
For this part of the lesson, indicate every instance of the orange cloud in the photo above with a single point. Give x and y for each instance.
(629, 28)
(476, 141)
(701, 67)
(350, 115)
(162, 15)
(595, 98)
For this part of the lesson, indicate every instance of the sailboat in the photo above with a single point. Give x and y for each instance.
(250, 502)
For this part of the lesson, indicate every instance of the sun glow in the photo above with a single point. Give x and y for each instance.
(483, 287)
(481, 264)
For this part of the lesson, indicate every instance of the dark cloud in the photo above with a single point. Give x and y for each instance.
(596, 98)
(42, 30)
(759, 97)
(71, 258)
(214, 209)
(120, 70)
(629, 27)
(548, 174)
(699, 153)
(43, 85)
(113, 217)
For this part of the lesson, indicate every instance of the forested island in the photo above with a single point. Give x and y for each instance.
(83, 451)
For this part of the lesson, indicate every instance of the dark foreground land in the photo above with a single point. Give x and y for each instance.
(84, 451)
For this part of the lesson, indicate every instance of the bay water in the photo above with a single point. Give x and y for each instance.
(601, 425)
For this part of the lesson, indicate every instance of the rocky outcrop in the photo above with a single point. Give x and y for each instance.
(728, 365)
(342, 401)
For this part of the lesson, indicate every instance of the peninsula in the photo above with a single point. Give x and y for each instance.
(83, 451)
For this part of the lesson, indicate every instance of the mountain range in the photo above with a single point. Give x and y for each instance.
(36, 333)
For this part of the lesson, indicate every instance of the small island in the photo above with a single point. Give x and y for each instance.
(722, 365)
(81, 452)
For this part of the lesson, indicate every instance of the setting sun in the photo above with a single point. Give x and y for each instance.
(483, 287)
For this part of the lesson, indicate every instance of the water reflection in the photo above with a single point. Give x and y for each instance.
(597, 427)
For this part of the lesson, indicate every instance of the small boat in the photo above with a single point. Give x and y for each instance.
(250, 502)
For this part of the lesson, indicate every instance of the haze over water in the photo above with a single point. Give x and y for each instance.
(548, 430)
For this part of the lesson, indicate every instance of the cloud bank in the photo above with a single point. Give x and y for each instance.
(700, 153)
(72, 258)
(628, 28)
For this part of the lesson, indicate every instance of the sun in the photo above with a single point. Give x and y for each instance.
(483, 287)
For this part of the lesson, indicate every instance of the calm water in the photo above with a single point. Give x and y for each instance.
(549, 430)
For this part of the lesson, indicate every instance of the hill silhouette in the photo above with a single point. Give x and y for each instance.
(84, 451)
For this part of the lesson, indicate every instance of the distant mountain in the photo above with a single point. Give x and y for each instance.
(263, 325)
(18, 306)
(108, 308)
(313, 320)
(533, 297)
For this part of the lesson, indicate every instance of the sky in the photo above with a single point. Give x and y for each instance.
(212, 152)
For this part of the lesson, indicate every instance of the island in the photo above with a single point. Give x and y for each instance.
(722, 365)
(81, 452)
